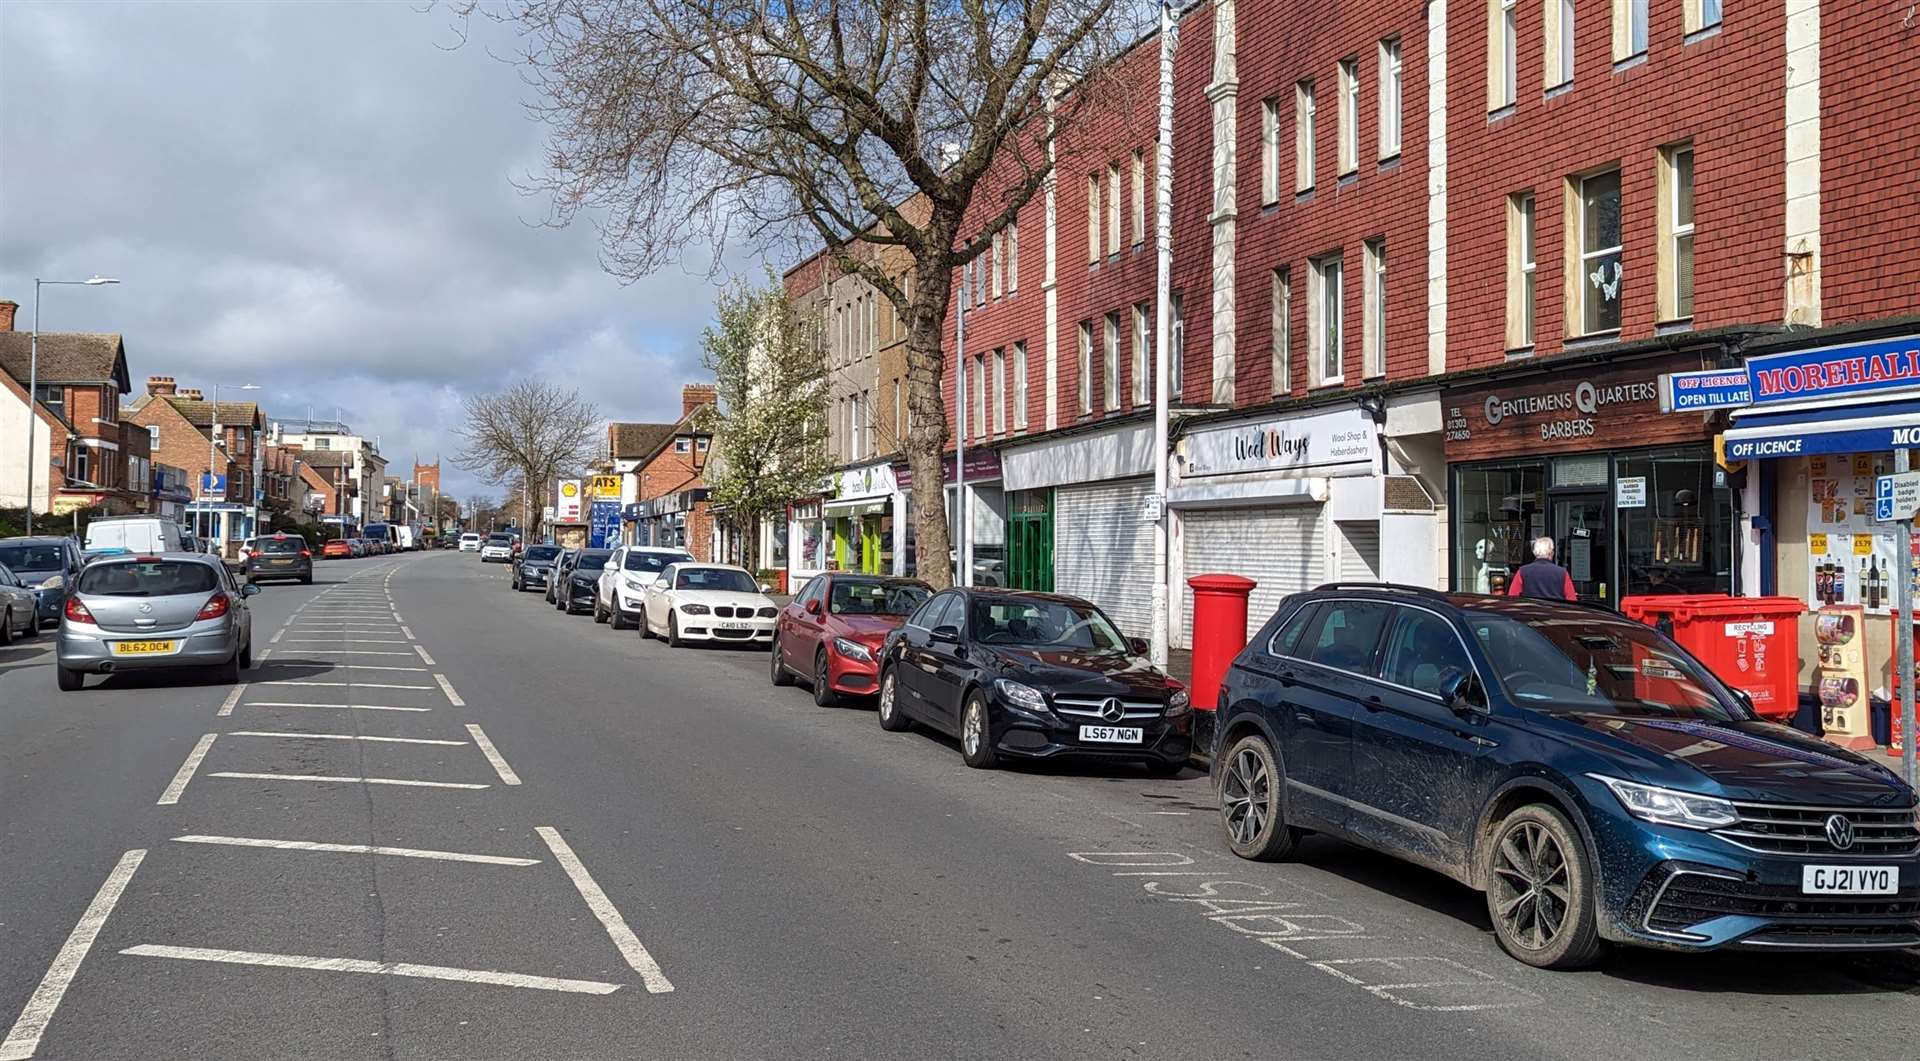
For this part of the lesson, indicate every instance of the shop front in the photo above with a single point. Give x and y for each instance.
(984, 542)
(1634, 501)
(1085, 496)
(860, 510)
(666, 521)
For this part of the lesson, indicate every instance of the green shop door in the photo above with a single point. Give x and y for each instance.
(1030, 540)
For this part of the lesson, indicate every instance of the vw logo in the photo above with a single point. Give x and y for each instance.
(1111, 710)
(1839, 832)
(146, 609)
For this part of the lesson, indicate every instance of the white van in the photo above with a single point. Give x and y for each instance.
(405, 537)
(135, 534)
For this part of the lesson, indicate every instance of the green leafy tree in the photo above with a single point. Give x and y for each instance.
(770, 426)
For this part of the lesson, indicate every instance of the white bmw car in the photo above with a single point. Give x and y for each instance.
(708, 602)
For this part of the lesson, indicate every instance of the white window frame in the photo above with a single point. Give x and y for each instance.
(1326, 323)
(1139, 197)
(1304, 120)
(1391, 71)
(1558, 19)
(1110, 370)
(1020, 385)
(1349, 116)
(1675, 304)
(999, 262)
(1113, 208)
(1013, 256)
(999, 396)
(1142, 353)
(1269, 151)
(980, 396)
(1630, 29)
(1086, 367)
(1374, 325)
(1280, 282)
(1523, 229)
(1587, 254)
(1503, 34)
(1093, 218)
(1176, 346)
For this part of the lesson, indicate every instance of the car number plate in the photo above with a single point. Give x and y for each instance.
(142, 648)
(1849, 880)
(282, 561)
(1112, 734)
(724, 625)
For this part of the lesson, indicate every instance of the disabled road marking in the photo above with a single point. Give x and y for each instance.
(355, 849)
(24, 1039)
(357, 965)
(185, 774)
(623, 938)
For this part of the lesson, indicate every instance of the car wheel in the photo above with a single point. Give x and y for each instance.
(246, 657)
(776, 665)
(1251, 807)
(673, 632)
(599, 616)
(823, 694)
(6, 627)
(618, 617)
(306, 580)
(976, 735)
(1540, 890)
(228, 673)
(892, 719)
(68, 680)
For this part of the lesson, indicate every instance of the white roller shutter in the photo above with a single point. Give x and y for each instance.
(1278, 546)
(1359, 552)
(1103, 549)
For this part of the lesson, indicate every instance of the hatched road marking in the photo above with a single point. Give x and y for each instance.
(355, 849)
(356, 965)
(239, 775)
(623, 938)
(185, 774)
(24, 1039)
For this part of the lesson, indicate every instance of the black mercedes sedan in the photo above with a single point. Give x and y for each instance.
(577, 590)
(1031, 675)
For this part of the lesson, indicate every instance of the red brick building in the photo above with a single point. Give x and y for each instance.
(671, 498)
(182, 426)
(84, 454)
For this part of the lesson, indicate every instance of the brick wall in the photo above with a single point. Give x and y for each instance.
(1870, 161)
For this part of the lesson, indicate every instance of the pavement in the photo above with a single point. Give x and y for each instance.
(442, 820)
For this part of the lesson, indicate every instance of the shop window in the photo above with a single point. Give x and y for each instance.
(1499, 510)
(1595, 279)
(1674, 523)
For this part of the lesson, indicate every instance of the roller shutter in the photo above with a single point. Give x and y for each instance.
(1359, 552)
(1278, 546)
(1103, 549)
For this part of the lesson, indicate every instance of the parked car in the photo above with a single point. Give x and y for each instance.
(140, 612)
(831, 634)
(619, 597)
(136, 534)
(708, 602)
(337, 548)
(498, 548)
(470, 542)
(19, 608)
(1600, 784)
(562, 568)
(1032, 675)
(534, 568)
(45, 564)
(582, 578)
(282, 556)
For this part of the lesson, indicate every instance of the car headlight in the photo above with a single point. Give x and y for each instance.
(1179, 703)
(1024, 697)
(695, 609)
(852, 650)
(53, 582)
(1665, 806)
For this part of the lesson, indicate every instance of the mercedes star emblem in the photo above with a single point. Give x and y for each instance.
(1839, 832)
(1111, 710)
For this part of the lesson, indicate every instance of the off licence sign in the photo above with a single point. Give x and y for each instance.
(1896, 496)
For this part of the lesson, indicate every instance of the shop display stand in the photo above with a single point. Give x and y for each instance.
(1840, 677)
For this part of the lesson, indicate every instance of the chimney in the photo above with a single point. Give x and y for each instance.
(160, 386)
(8, 308)
(695, 395)
(191, 394)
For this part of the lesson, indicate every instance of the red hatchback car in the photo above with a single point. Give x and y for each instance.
(830, 634)
(338, 547)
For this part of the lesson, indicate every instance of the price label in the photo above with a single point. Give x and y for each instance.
(1816, 543)
(1863, 545)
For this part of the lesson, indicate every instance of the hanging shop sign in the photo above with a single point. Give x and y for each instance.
(1714, 388)
(874, 480)
(1833, 371)
(604, 486)
(1564, 412)
(1336, 442)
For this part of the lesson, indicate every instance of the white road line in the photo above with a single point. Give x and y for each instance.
(447, 687)
(346, 652)
(185, 774)
(264, 653)
(357, 965)
(341, 707)
(623, 938)
(493, 755)
(424, 658)
(344, 641)
(352, 666)
(344, 685)
(245, 776)
(292, 735)
(226, 707)
(277, 635)
(24, 1039)
(397, 619)
(407, 632)
(357, 849)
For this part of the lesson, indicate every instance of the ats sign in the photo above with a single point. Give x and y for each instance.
(1333, 443)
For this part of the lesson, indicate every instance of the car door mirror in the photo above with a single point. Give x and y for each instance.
(1745, 698)
(1137, 645)
(946, 635)
(813, 607)
(660, 585)
(249, 589)
(766, 587)
(1456, 688)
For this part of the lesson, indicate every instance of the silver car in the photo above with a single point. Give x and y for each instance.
(149, 612)
(19, 608)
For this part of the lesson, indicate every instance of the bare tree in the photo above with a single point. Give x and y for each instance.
(847, 124)
(527, 436)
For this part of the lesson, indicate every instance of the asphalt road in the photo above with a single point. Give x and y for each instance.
(604, 848)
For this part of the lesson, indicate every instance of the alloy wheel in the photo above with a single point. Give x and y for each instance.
(1530, 885)
(1245, 794)
(971, 730)
(886, 699)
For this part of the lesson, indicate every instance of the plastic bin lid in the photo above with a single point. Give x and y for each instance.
(1724, 607)
(1655, 604)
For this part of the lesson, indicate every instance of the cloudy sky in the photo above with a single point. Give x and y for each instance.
(317, 198)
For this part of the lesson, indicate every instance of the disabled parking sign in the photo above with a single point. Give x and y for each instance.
(1896, 496)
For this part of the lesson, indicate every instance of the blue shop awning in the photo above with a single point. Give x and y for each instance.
(1866, 428)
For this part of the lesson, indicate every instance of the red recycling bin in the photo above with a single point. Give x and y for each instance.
(1751, 643)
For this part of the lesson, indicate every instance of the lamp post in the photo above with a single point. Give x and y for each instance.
(213, 436)
(33, 372)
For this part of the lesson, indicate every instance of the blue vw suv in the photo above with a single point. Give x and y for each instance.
(1586, 773)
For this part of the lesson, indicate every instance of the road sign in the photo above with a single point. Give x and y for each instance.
(1896, 497)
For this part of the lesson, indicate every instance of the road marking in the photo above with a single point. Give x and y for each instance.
(407, 632)
(447, 687)
(180, 779)
(292, 735)
(343, 640)
(356, 965)
(277, 635)
(493, 755)
(248, 776)
(24, 1039)
(349, 652)
(351, 666)
(264, 653)
(226, 707)
(424, 658)
(341, 707)
(357, 849)
(623, 938)
(344, 685)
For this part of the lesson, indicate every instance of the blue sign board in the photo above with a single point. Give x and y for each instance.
(1833, 371)
(1883, 498)
(212, 484)
(604, 529)
(1718, 388)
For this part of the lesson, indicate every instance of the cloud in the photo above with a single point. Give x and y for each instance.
(319, 199)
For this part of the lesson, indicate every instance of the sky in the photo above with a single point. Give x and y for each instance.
(319, 199)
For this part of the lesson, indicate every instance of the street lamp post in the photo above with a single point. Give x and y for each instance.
(213, 435)
(33, 373)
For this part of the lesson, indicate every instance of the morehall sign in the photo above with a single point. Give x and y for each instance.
(1566, 411)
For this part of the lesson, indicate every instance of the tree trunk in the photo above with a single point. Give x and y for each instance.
(926, 442)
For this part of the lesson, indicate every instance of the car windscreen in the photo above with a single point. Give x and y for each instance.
(654, 562)
(1043, 624)
(500, 539)
(280, 546)
(147, 578)
(20, 558)
(714, 578)
(876, 598)
(592, 561)
(1595, 665)
(541, 553)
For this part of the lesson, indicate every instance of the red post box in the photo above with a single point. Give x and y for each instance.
(1219, 632)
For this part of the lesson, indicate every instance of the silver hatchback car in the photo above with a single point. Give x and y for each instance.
(150, 612)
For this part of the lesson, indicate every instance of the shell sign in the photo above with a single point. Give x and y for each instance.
(568, 510)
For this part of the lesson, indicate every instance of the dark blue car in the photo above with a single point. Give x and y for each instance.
(46, 564)
(1587, 774)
